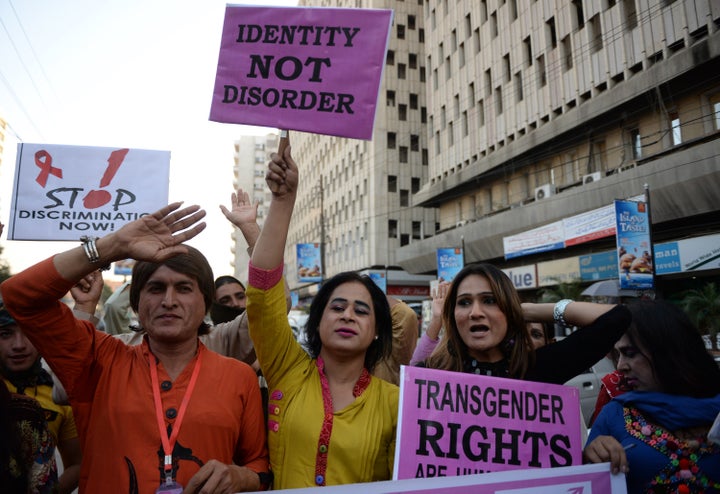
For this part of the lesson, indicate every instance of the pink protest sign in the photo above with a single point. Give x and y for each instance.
(308, 69)
(452, 423)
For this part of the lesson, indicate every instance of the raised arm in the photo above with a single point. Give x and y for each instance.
(429, 339)
(282, 178)
(154, 237)
(243, 214)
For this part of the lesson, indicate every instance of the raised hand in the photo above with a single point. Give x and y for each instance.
(158, 236)
(242, 211)
(282, 175)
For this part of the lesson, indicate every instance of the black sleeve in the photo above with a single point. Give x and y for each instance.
(558, 362)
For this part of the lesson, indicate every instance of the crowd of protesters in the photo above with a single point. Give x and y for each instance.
(155, 398)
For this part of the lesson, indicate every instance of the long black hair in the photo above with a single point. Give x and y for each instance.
(675, 349)
(452, 352)
(380, 347)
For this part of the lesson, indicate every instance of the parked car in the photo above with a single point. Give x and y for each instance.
(588, 383)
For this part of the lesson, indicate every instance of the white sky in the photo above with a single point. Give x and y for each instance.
(120, 73)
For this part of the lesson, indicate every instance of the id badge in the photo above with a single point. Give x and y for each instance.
(170, 487)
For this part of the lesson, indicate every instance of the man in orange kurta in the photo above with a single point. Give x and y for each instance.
(221, 443)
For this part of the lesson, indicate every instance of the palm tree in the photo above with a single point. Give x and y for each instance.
(703, 307)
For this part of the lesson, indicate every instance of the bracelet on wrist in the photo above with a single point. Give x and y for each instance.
(559, 312)
(91, 251)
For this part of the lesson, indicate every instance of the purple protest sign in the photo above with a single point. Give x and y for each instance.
(453, 423)
(308, 69)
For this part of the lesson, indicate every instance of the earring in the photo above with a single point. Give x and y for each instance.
(376, 337)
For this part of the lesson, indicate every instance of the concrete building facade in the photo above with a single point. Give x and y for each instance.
(497, 117)
(251, 156)
(355, 196)
(541, 110)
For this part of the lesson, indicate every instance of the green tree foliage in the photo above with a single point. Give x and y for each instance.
(703, 306)
(572, 290)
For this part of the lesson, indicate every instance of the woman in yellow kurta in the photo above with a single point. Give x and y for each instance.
(330, 421)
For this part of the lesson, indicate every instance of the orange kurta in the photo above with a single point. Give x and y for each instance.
(109, 386)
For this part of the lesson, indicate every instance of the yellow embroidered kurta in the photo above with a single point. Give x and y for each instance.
(362, 443)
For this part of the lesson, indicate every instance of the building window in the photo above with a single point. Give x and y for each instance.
(402, 112)
(595, 34)
(715, 104)
(423, 114)
(512, 5)
(483, 11)
(567, 53)
(493, 25)
(630, 14)
(416, 230)
(415, 185)
(579, 14)
(635, 143)
(506, 67)
(551, 32)
(519, 86)
(413, 101)
(403, 154)
(541, 76)
(527, 52)
(675, 128)
(390, 98)
(499, 100)
(422, 74)
(392, 183)
(404, 198)
(411, 22)
(412, 60)
(400, 31)
(414, 142)
(390, 58)
(391, 140)
(401, 71)
(392, 229)
(421, 35)
(451, 135)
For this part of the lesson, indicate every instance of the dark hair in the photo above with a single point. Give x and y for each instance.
(675, 349)
(379, 348)
(227, 280)
(193, 264)
(452, 352)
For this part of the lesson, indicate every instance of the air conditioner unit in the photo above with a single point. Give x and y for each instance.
(592, 177)
(544, 191)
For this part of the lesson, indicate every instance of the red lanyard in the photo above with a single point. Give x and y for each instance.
(169, 443)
